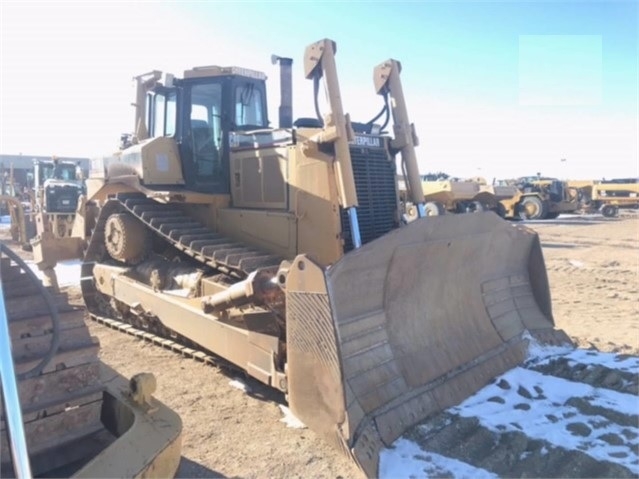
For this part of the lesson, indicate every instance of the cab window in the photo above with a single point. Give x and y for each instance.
(205, 127)
(249, 104)
(162, 114)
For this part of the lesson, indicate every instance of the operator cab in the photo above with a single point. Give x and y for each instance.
(57, 171)
(199, 112)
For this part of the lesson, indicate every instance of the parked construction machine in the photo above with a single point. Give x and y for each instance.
(46, 206)
(455, 195)
(21, 227)
(607, 196)
(540, 198)
(445, 194)
(57, 188)
(282, 250)
(64, 413)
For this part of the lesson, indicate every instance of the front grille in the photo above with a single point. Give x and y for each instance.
(61, 199)
(375, 173)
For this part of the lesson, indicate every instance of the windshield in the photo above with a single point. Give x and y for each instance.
(59, 172)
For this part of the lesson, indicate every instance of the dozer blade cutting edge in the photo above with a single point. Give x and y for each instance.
(411, 324)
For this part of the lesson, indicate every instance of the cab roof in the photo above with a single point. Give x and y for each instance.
(214, 70)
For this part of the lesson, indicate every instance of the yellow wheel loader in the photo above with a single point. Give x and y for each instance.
(64, 413)
(540, 198)
(282, 250)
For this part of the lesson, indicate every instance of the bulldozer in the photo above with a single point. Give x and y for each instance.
(283, 251)
(64, 413)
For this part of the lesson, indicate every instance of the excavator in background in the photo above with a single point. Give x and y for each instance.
(283, 251)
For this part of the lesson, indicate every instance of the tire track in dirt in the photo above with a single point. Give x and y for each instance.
(593, 271)
(622, 281)
(579, 242)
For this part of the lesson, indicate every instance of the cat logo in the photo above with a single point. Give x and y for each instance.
(370, 141)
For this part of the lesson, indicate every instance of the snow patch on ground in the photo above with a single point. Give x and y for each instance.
(538, 351)
(539, 405)
(407, 460)
(67, 272)
(290, 420)
(239, 384)
(545, 408)
(629, 364)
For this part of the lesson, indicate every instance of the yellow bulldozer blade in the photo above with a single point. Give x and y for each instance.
(411, 324)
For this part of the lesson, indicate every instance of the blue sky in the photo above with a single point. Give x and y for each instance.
(494, 88)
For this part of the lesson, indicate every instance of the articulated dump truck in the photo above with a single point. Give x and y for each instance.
(282, 251)
(65, 413)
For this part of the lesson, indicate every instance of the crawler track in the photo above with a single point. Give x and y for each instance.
(188, 236)
(177, 347)
(193, 238)
(58, 371)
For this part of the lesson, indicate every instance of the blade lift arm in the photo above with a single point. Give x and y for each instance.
(319, 61)
(387, 82)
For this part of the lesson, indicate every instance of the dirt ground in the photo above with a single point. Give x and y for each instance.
(593, 268)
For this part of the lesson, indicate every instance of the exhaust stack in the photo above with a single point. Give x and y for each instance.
(286, 90)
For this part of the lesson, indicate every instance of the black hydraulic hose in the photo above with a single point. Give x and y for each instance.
(383, 127)
(55, 320)
(384, 110)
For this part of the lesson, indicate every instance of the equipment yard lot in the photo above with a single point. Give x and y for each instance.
(594, 277)
(593, 270)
